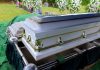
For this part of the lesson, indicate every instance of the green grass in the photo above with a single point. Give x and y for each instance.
(53, 10)
(56, 10)
(9, 11)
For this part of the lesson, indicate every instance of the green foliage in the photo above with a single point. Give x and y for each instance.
(74, 5)
(69, 1)
(94, 6)
(85, 2)
(49, 1)
(61, 4)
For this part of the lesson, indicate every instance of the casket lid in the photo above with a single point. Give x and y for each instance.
(47, 19)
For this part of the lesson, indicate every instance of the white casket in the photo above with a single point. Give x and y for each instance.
(45, 36)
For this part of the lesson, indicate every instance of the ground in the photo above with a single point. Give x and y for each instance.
(9, 11)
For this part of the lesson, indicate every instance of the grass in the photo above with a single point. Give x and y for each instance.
(56, 10)
(9, 11)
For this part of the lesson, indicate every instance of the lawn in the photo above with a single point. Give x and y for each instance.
(9, 11)
(56, 10)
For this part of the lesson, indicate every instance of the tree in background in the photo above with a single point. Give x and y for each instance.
(91, 5)
(74, 5)
(94, 6)
(61, 4)
(51, 2)
(24, 2)
(85, 2)
(71, 5)
(37, 5)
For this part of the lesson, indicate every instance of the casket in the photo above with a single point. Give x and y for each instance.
(44, 36)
